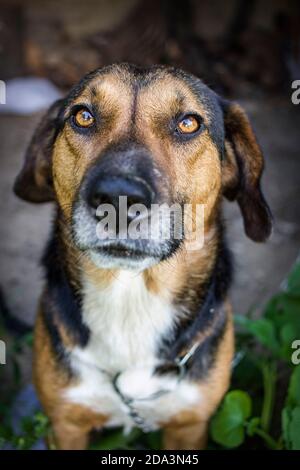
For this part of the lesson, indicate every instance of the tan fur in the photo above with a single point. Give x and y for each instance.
(193, 170)
(70, 423)
(188, 430)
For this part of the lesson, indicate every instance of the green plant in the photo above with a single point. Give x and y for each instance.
(265, 347)
(32, 429)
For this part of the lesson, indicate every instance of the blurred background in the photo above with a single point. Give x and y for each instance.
(246, 50)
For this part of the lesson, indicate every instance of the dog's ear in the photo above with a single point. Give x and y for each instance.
(242, 169)
(34, 182)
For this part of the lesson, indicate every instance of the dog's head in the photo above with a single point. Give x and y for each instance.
(131, 140)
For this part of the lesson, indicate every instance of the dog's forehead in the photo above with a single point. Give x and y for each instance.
(151, 92)
(161, 83)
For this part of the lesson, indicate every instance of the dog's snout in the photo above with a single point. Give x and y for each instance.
(109, 189)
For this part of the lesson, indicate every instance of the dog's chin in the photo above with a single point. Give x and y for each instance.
(122, 258)
(121, 252)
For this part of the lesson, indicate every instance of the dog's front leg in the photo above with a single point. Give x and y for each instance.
(71, 425)
(186, 435)
(67, 436)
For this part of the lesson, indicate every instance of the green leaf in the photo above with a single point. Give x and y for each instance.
(285, 424)
(293, 396)
(228, 425)
(291, 427)
(295, 429)
(291, 307)
(264, 330)
(247, 374)
(291, 412)
(284, 308)
(287, 335)
(252, 426)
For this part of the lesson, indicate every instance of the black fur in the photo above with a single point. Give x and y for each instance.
(208, 312)
(61, 298)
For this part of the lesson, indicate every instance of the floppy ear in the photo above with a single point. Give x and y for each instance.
(242, 169)
(34, 182)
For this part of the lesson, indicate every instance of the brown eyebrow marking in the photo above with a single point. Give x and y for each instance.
(93, 91)
(180, 96)
(161, 118)
(177, 105)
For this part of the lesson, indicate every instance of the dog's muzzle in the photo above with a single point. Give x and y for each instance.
(117, 214)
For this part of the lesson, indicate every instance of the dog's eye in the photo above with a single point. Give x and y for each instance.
(188, 124)
(84, 118)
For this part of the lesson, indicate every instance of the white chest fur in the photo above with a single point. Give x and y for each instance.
(126, 322)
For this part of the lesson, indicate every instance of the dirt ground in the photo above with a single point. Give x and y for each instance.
(260, 269)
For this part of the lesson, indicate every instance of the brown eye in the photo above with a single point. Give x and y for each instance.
(188, 125)
(83, 118)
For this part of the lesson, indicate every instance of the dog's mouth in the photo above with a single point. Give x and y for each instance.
(130, 254)
(136, 247)
(121, 251)
(118, 255)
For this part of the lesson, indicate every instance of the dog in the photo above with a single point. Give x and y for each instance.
(138, 332)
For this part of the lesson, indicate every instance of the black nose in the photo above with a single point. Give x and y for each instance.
(107, 190)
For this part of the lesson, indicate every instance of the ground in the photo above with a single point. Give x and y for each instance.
(260, 268)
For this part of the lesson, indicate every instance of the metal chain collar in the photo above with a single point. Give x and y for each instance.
(180, 364)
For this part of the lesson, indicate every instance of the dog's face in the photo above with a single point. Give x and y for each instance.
(158, 137)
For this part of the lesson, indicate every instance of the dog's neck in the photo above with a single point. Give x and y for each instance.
(191, 282)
